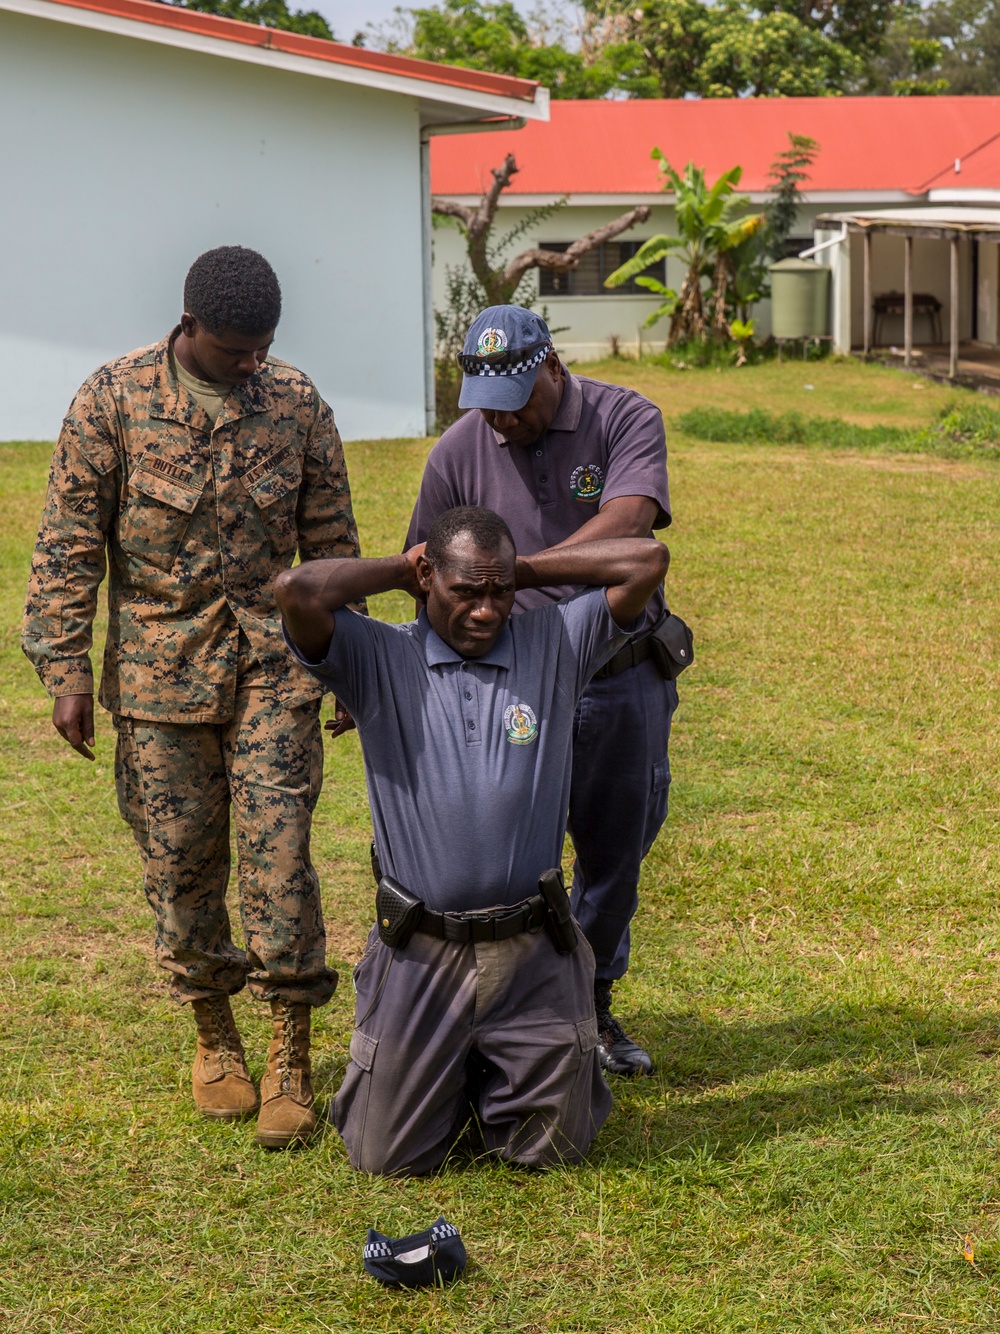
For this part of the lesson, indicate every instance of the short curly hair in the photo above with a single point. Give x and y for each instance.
(234, 288)
(487, 530)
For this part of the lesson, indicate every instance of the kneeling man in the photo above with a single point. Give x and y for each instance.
(466, 721)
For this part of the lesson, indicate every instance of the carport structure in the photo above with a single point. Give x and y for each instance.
(966, 285)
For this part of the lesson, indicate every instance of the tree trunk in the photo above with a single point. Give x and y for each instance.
(720, 324)
(500, 284)
(688, 320)
(570, 258)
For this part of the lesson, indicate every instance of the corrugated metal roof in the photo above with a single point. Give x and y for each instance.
(977, 169)
(929, 219)
(867, 144)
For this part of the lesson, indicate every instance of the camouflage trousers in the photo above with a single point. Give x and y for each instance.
(177, 785)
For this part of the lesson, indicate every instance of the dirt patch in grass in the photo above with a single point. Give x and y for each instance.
(65, 941)
(345, 940)
(922, 463)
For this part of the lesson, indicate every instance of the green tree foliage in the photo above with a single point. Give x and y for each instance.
(493, 35)
(788, 171)
(722, 243)
(750, 257)
(778, 48)
(774, 55)
(947, 46)
(711, 222)
(269, 13)
(858, 25)
(925, 57)
(662, 48)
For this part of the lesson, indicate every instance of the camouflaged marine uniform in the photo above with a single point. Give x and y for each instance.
(211, 711)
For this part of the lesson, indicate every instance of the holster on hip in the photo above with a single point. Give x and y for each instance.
(671, 645)
(397, 913)
(558, 918)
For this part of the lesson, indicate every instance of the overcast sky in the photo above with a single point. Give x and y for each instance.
(346, 17)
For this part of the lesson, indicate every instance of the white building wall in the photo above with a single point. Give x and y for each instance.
(988, 328)
(591, 321)
(123, 160)
(837, 258)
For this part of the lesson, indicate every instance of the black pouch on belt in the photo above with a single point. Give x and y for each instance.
(558, 918)
(671, 645)
(397, 913)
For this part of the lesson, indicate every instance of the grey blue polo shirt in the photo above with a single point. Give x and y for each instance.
(468, 759)
(605, 442)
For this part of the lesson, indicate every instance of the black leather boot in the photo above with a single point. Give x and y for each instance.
(619, 1054)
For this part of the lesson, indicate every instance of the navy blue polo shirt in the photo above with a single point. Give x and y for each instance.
(468, 759)
(604, 442)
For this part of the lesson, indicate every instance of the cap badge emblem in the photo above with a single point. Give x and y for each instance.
(521, 724)
(491, 343)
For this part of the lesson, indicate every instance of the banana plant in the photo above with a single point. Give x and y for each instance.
(742, 332)
(710, 223)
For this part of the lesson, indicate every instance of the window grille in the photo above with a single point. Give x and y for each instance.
(587, 279)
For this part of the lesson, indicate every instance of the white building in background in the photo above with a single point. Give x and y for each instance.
(137, 135)
(873, 152)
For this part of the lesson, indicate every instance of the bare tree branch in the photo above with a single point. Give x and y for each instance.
(478, 221)
(479, 227)
(570, 258)
(449, 209)
(502, 177)
(500, 284)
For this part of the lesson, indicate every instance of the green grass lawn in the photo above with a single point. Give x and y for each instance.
(814, 964)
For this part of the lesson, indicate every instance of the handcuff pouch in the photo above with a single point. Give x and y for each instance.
(671, 645)
(397, 913)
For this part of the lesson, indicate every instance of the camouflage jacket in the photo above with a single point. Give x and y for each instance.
(194, 524)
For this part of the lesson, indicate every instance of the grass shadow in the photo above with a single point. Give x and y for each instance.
(694, 1053)
(724, 1086)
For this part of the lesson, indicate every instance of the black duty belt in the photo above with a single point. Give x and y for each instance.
(630, 655)
(470, 928)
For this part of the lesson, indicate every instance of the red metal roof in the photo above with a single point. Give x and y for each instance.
(866, 143)
(975, 169)
(315, 48)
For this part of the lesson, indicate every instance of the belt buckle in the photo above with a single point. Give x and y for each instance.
(478, 927)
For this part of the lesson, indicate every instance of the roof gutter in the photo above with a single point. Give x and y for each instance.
(475, 126)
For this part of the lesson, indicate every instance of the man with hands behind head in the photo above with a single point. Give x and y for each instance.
(194, 469)
(466, 722)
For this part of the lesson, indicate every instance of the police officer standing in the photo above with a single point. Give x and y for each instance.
(566, 459)
(195, 469)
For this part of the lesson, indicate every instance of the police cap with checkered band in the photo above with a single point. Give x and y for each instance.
(502, 355)
(425, 1259)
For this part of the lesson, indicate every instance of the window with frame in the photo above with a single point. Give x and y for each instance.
(793, 245)
(587, 279)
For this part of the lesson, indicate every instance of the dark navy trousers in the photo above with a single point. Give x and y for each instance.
(618, 802)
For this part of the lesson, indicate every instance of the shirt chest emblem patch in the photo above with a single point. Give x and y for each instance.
(587, 481)
(521, 724)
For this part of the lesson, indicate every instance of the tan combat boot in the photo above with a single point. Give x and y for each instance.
(287, 1115)
(220, 1079)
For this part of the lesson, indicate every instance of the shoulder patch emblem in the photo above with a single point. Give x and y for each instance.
(587, 481)
(521, 724)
